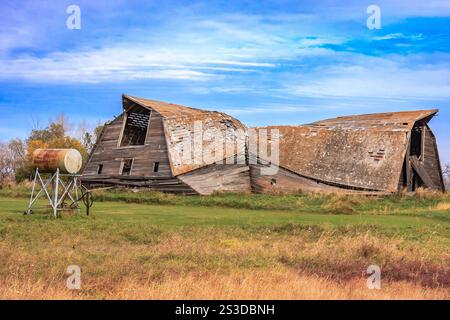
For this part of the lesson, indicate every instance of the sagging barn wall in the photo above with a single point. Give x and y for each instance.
(284, 181)
(219, 178)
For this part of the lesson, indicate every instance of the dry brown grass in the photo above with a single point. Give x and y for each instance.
(217, 264)
(271, 284)
(322, 257)
(339, 205)
(444, 206)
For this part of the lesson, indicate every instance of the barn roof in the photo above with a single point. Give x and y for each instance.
(364, 151)
(177, 120)
(403, 121)
(167, 110)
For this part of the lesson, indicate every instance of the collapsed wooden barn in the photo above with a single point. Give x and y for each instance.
(385, 152)
(143, 147)
(156, 145)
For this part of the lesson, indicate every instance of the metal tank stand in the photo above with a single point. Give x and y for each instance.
(60, 191)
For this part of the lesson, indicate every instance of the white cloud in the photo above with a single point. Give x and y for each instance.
(123, 63)
(391, 36)
(379, 78)
(199, 48)
(185, 57)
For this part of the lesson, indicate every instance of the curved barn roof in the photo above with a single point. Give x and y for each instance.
(386, 121)
(177, 120)
(364, 151)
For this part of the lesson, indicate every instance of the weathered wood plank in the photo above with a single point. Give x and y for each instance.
(431, 161)
(110, 154)
(219, 178)
(422, 172)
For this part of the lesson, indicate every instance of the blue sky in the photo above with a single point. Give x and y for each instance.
(264, 62)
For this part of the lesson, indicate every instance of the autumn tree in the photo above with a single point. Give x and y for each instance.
(53, 136)
(16, 155)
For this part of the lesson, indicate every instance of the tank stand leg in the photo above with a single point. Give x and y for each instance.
(88, 195)
(55, 200)
(30, 204)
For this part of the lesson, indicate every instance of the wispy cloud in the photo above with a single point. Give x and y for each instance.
(399, 35)
(376, 78)
(123, 63)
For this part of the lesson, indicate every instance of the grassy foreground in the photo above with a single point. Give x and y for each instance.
(150, 245)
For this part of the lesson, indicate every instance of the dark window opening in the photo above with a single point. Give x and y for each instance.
(100, 169)
(126, 167)
(155, 166)
(403, 177)
(416, 141)
(135, 130)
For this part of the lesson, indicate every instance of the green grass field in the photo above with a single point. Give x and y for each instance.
(412, 223)
(156, 242)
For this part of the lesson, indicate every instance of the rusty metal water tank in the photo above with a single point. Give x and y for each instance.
(66, 160)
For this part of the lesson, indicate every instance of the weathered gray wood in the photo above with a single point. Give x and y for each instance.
(431, 161)
(219, 178)
(108, 154)
(324, 175)
(409, 186)
(173, 185)
(422, 172)
(287, 181)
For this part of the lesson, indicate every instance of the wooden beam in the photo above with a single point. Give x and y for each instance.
(436, 151)
(409, 186)
(147, 133)
(423, 174)
(422, 151)
(125, 116)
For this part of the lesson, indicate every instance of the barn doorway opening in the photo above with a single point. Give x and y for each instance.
(417, 141)
(417, 156)
(135, 129)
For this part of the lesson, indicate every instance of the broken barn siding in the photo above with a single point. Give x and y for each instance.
(104, 151)
(110, 154)
(219, 178)
(285, 181)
